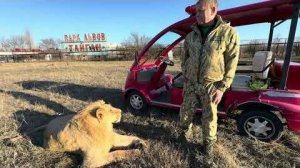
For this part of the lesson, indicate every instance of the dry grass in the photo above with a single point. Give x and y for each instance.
(31, 94)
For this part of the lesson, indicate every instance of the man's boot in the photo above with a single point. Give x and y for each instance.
(186, 133)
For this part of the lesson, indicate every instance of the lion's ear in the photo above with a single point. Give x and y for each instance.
(99, 114)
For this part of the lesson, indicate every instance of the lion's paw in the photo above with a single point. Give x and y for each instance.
(139, 144)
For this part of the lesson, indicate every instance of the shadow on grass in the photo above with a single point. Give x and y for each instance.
(151, 132)
(28, 120)
(79, 92)
(32, 99)
(144, 131)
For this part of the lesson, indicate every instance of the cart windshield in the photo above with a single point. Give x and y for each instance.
(160, 47)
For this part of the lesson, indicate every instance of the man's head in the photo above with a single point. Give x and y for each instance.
(206, 11)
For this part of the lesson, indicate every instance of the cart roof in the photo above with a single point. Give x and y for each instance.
(267, 11)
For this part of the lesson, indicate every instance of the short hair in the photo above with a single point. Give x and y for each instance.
(208, 1)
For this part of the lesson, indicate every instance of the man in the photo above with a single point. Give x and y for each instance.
(208, 66)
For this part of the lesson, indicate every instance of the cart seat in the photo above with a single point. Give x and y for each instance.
(178, 82)
(260, 69)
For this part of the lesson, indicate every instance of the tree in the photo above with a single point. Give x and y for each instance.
(136, 41)
(278, 47)
(296, 49)
(13, 43)
(252, 47)
(28, 40)
(5, 45)
(1, 46)
(19, 41)
(49, 43)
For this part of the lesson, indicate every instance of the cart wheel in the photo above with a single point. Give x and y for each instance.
(136, 103)
(261, 125)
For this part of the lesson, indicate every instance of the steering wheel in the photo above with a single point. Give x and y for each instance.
(167, 61)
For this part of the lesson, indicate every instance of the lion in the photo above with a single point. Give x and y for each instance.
(90, 133)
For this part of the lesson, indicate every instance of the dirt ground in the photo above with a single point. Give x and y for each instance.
(31, 94)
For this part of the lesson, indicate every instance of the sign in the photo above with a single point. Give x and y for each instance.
(89, 42)
(85, 47)
(88, 37)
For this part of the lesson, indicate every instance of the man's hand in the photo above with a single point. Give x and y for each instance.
(217, 96)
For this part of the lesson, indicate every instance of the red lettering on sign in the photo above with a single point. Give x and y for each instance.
(81, 47)
(92, 47)
(74, 37)
(70, 38)
(102, 36)
(98, 36)
(85, 37)
(90, 37)
(76, 48)
(87, 47)
(70, 47)
(78, 37)
(66, 38)
(94, 36)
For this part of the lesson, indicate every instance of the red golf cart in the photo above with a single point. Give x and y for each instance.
(260, 113)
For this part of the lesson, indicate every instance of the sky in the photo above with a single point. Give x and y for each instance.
(116, 18)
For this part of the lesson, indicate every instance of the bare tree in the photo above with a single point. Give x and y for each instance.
(296, 49)
(278, 47)
(18, 42)
(252, 47)
(48, 43)
(179, 51)
(13, 43)
(28, 40)
(136, 41)
(4, 45)
(144, 40)
(1, 46)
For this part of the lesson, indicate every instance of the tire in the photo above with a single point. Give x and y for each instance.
(136, 103)
(261, 125)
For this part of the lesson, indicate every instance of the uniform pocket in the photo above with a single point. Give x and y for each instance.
(210, 89)
(218, 44)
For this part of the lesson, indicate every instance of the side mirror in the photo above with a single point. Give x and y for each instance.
(167, 61)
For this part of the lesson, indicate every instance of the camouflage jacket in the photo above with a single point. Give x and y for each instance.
(213, 59)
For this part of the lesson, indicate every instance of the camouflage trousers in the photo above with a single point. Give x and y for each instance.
(199, 96)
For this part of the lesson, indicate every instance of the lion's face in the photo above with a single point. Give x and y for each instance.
(109, 113)
(100, 112)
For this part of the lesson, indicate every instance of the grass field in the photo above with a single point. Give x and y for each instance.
(31, 94)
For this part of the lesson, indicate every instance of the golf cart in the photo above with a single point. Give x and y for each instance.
(262, 113)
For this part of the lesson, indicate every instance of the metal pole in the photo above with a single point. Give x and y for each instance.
(289, 48)
(271, 36)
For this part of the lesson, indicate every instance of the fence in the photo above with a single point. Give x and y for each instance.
(247, 52)
(117, 54)
(278, 49)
